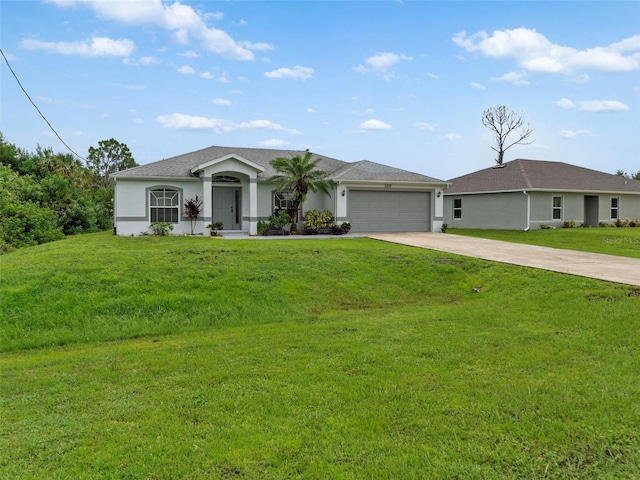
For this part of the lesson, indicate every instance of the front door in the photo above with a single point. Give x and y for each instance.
(226, 207)
(591, 213)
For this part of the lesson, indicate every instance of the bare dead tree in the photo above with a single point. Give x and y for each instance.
(502, 122)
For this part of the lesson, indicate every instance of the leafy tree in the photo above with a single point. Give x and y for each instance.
(503, 122)
(111, 156)
(299, 175)
(634, 176)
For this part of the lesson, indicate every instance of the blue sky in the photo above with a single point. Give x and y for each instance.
(402, 83)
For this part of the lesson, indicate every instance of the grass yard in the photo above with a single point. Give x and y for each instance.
(189, 358)
(613, 241)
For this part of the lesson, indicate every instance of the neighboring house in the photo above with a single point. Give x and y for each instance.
(523, 194)
(233, 183)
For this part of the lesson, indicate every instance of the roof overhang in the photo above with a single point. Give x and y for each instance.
(231, 156)
(546, 190)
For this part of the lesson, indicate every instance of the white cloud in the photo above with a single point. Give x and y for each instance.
(453, 136)
(477, 86)
(258, 47)
(295, 73)
(311, 110)
(274, 142)
(186, 70)
(222, 101)
(424, 126)
(535, 53)
(180, 19)
(432, 75)
(375, 125)
(574, 133)
(516, 78)
(189, 54)
(603, 106)
(181, 121)
(96, 47)
(565, 103)
(381, 64)
(584, 78)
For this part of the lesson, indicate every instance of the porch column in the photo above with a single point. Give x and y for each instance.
(253, 205)
(207, 203)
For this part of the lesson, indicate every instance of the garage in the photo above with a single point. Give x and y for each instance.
(389, 211)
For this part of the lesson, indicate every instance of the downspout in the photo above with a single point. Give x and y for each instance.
(528, 210)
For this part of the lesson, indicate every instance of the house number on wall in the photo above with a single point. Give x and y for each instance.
(387, 185)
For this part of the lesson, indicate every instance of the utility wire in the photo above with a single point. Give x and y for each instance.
(36, 107)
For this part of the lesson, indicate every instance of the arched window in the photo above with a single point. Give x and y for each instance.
(164, 205)
(224, 179)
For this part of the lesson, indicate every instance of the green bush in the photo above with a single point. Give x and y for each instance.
(161, 228)
(570, 224)
(215, 227)
(315, 220)
(545, 226)
(622, 223)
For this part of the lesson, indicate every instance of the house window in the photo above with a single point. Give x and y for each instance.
(164, 205)
(557, 208)
(282, 201)
(457, 208)
(615, 207)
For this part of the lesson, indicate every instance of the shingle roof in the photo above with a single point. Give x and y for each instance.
(540, 175)
(181, 166)
(367, 170)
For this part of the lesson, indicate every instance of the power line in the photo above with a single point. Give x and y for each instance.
(36, 107)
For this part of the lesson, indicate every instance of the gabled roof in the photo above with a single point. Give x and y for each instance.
(541, 175)
(371, 171)
(184, 166)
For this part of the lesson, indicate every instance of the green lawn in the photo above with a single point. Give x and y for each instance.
(612, 241)
(193, 358)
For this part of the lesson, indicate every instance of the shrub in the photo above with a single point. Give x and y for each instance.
(545, 226)
(161, 228)
(346, 226)
(262, 227)
(622, 223)
(192, 210)
(444, 227)
(607, 224)
(215, 227)
(635, 222)
(570, 224)
(316, 220)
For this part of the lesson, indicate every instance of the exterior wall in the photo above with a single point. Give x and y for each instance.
(506, 211)
(509, 210)
(131, 205)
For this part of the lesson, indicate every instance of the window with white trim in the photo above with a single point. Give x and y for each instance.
(557, 208)
(457, 208)
(615, 208)
(164, 205)
(282, 201)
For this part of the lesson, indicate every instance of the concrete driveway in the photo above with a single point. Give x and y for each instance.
(594, 265)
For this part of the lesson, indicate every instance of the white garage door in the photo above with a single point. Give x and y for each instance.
(388, 211)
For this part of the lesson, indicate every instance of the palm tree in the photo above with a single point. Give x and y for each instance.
(299, 175)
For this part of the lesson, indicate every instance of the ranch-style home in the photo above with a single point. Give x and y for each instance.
(233, 183)
(525, 194)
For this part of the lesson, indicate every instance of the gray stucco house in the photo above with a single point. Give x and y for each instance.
(523, 194)
(232, 181)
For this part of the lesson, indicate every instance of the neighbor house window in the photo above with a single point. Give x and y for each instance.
(164, 205)
(457, 208)
(615, 207)
(557, 208)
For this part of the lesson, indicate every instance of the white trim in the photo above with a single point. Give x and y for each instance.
(231, 156)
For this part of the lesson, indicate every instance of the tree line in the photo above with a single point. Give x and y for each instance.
(45, 195)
